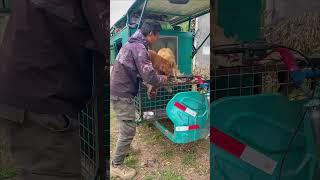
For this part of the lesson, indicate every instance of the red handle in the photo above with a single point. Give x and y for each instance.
(199, 79)
(288, 58)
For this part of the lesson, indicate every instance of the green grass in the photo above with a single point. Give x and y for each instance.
(8, 172)
(154, 137)
(166, 154)
(170, 175)
(150, 177)
(131, 161)
(189, 160)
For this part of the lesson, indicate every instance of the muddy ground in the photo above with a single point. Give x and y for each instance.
(161, 159)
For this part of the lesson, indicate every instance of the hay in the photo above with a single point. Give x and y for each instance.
(204, 72)
(299, 32)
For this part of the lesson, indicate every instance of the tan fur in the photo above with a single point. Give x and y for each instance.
(164, 62)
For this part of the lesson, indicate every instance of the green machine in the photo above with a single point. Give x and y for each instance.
(172, 35)
(4, 16)
(175, 18)
(189, 112)
(250, 135)
(242, 19)
(266, 136)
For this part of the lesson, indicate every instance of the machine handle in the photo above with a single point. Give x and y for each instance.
(287, 58)
(199, 79)
(296, 73)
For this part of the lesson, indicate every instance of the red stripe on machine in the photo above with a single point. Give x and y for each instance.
(187, 128)
(180, 106)
(242, 151)
(226, 142)
(193, 127)
(185, 109)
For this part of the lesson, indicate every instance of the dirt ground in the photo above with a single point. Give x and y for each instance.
(161, 159)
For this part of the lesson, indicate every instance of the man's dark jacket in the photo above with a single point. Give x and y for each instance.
(45, 63)
(132, 65)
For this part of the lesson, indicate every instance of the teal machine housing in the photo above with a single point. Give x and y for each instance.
(241, 117)
(263, 122)
(187, 127)
(242, 19)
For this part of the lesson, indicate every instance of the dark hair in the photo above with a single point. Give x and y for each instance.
(150, 26)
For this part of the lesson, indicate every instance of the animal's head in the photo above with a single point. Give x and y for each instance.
(167, 53)
(164, 61)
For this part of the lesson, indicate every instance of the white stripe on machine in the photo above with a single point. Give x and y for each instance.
(258, 160)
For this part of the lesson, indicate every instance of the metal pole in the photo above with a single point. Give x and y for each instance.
(204, 41)
(128, 19)
(189, 26)
(201, 45)
(144, 6)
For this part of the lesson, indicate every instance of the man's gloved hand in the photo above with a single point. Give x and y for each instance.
(153, 92)
(164, 79)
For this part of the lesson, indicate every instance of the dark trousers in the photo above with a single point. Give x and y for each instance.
(39, 147)
(126, 115)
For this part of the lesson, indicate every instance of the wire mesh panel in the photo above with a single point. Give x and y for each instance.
(249, 80)
(87, 142)
(94, 127)
(154, 109)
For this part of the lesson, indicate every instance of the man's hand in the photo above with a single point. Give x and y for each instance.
(164, 79)
(151, 91)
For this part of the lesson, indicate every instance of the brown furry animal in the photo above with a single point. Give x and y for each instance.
(164, 62)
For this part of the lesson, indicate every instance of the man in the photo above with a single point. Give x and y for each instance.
(132, 62)
(45, 80)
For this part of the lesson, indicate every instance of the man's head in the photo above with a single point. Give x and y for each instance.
(151, 30)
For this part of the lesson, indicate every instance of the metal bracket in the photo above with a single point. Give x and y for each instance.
(144, 6)
(195, 50)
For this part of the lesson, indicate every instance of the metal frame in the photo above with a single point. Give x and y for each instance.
(142, 12)
(197, 49)
(138, 3)
(93, 129)
(248, 80)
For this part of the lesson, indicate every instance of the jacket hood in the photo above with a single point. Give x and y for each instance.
(138, 37)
